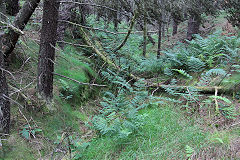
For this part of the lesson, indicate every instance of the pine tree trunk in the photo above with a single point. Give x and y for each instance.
(47, 49)
(193, 26)
(22, 18)
(175, 27)
(2, 9)
(64, 15)
(115, 15)
(145, 36)
(159, 39)
(12, 7)
(4, 101)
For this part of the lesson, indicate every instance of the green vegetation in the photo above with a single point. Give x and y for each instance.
(185, 105)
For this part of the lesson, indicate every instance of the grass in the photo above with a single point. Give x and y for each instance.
(164, 136)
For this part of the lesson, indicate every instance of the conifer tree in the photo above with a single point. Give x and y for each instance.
(47, 49)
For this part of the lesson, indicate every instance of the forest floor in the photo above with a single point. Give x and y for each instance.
(169, 131)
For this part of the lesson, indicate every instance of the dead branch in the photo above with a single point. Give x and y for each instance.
(86, 27)
(81, 83)
(15, 29)
(96, 5)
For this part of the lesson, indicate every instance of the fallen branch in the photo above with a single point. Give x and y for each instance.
(102, 54)
(200, 88)
(81, 83)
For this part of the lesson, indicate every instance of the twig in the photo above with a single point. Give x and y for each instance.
(13, 28)
(13, 101)
(78, 45)
(86, 27)
(194, 98)
(216, 103)
(16, 90)
(235, 124)
(96, 5)
(81, 83)
(64, 136)
(155, 91)
(4, 70)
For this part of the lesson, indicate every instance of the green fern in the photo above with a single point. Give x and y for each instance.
(183, 73)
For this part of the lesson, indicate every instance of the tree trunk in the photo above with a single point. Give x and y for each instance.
(22, 18)
(47, 49)
(4, 101)
(159, 39)
(175, 27)
(64, 15)
(12, 7)
(193, 26)
(3, 11)
(145, 36)
(163, 29)
(115, 15)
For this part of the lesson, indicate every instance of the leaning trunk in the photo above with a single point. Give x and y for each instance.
(22, 18)
(4, 101)
(193, 26)
(47, 49)
(12, 7)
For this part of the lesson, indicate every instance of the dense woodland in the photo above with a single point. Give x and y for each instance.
(119, 79)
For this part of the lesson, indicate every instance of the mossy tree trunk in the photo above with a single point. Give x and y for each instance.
(47, 49)
(4, 101)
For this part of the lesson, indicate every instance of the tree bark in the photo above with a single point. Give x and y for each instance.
(144, 35)
(115, 15)
(175, 27)
(128, 33)
(4, 101)
(12, 7)
(3, 11)
(159, 39)
(22, 18)
(64, 15)
(47, 49)
(193, 26)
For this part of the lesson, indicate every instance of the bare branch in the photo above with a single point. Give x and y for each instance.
(15, 29)
(81, 83)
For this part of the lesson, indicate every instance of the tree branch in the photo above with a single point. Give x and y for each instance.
(81, 83)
